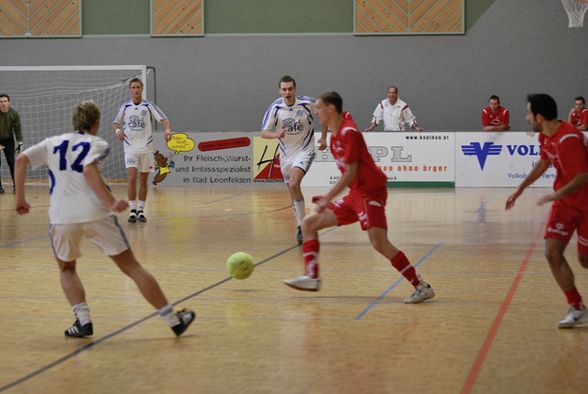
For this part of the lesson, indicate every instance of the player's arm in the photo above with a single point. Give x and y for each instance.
(269, 134)
(20, 170)
(583, 121)
(535, 173)
(323, 140)
(18, 133)
(570, 115)
(486, 124)
(167, 133)
(571, 187)
(120, 134)
(344, 181)
(94, 179)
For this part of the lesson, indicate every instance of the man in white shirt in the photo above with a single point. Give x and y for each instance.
(395, 113)
(80, 206)
(289, 119)
(133, 126)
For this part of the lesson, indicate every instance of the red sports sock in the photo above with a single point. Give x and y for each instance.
(311, 253)
(401, 263)
(574, 298)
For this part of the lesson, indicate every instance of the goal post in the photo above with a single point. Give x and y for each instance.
(45, 97)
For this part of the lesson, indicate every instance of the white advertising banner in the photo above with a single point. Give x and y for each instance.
(426, 159)
(498, 159)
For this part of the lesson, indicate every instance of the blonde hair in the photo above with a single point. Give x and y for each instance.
(85, 115)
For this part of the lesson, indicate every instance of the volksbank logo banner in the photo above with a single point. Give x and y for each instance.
(497, 159)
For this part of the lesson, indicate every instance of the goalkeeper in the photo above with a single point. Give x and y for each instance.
(9, 128)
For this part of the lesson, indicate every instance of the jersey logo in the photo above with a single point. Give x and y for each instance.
(136, 123)
(481, 152)
(291, 125)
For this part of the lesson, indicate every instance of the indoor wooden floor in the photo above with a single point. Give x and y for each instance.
(492, 328)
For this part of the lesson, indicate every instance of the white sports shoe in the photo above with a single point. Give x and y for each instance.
(304, 282)
(574, 318)
(422, 292)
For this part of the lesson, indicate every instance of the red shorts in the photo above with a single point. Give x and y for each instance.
(368, 208)
(563, 221)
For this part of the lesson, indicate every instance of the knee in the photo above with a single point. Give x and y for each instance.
(132, 178)
(583, 261)
(293, 186)
(378, 243)
(553, 256)
(68, 267)
(309, 223)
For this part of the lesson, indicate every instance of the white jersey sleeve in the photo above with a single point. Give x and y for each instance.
(378, 114)
(157, 113)
(120, 115)
(37, 154)
(98, 151)
(270, 119)
(408, 117)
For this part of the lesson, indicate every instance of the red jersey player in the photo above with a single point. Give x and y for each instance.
(495, 117)
(567, 149)
(579, 114)
(366, 201)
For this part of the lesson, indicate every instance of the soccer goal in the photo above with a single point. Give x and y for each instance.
(46, 96)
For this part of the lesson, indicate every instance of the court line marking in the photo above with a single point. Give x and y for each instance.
(395, 284)
(399, 280)
(481, 357)
(98, 341)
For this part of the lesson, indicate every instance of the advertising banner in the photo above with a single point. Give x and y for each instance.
(497, 159)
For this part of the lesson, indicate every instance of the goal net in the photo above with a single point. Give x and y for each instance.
(46, 96)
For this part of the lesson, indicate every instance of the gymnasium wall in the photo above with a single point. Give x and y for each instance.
(225, 81)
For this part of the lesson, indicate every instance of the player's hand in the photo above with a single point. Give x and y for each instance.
(120, 135)
(167, 134)
(322, 202)
(322, 144)
(419, 129)
(22, 207)
(546, 198)
(19, 148)
(119, 205)
(280, 132)
(510, 201)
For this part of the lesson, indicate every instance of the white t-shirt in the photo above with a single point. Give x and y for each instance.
(136, 122)
(395, 116)
(296, 120)
(71, 198)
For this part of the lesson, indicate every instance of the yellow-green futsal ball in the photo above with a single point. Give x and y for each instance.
(240, 265)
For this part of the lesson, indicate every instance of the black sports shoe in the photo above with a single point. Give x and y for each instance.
(79, 331)
(186, 317)
(1, 189)
(133, 216)
(299, 236)
(141, 216)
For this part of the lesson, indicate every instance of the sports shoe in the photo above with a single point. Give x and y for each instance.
(79, 331)
(186, 317)
(299, 236)
(1, 189)
(422, 292)
(133, 216)
(304, 282)
(574, 318)
(141, 216)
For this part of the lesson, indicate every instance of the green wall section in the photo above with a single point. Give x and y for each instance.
(278, 16)
(474, 10)
(115, 17)
(241, 16)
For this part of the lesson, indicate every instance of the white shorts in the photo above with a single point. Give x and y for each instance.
(143, 162)
(302, 160)
(106, 233)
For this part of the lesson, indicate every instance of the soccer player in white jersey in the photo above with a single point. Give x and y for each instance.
(80, 206)
(133, 126)
(289, 119)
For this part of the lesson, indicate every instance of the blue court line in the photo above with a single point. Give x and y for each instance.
(98, 341)
(9, 245)
(399, 281)
(484, 203)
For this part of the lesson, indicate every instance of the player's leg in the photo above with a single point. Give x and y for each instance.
(65, 240)
(108, 234)
(132, 173)
(9, 152)
(2, 142)
(300, 166)
(146, 163)
(311, 225)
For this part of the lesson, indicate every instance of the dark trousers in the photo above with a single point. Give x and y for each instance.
(9, 153)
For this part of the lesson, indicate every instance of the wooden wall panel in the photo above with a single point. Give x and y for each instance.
(55, 18)
(409, 17)
(177, 17)
(13, 18)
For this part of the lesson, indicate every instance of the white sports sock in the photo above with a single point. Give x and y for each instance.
(131, 205)
(299, 209)
(141, 205)
(167, 313)
(82, 313)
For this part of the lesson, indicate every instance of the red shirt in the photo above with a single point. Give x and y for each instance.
(567, 150)
(580, 118)
(348, 146)
(490, 118)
